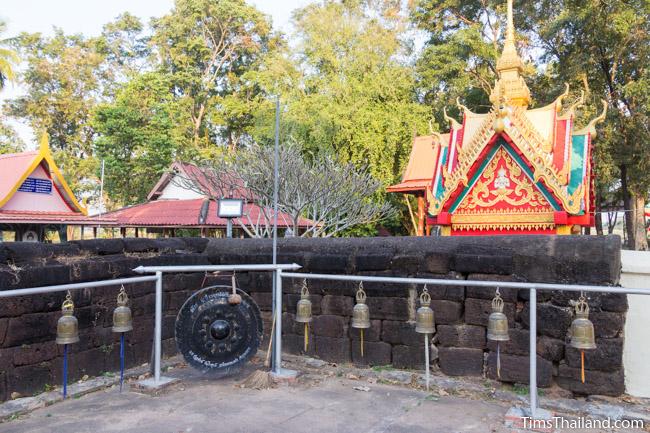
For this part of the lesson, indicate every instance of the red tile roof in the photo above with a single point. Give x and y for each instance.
(419, 173)
(184, 213)
(33, 217)
(12, 168)
(191, 172)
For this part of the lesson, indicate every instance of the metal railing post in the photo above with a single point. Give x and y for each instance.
(158, 327)
(277, 339)
(533, 352)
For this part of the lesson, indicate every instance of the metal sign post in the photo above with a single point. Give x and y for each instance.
(230, 208)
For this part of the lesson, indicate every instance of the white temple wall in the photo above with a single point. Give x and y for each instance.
(636, 351)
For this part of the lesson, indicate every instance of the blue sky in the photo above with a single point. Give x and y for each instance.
(88, 17)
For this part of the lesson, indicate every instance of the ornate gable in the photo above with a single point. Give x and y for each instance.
(502, 196)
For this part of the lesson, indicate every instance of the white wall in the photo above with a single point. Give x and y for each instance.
(174, 191)
(636, 352)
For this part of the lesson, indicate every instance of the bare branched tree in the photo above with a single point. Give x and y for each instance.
(318, 198)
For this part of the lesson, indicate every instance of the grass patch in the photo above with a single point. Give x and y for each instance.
(380, 368)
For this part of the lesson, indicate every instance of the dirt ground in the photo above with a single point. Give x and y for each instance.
(328, 400)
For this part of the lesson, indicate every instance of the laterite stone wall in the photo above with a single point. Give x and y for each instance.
(30, 360)
(461, 312)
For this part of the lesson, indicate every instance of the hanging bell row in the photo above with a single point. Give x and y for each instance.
(497, 321)
(361, 313)
(582, 330)
(424, 319)
(67, 328)
(122, 318)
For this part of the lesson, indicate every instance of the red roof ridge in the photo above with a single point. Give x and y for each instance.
(17, 154)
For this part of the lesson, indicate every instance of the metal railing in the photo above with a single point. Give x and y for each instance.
(279, 274)
(158, 279)
(531, 287)
(159, 270)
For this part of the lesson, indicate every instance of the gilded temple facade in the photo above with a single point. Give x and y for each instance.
(513, 170)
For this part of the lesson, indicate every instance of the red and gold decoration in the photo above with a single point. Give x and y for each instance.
(512, 170)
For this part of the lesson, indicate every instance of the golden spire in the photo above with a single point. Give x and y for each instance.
(510, 85)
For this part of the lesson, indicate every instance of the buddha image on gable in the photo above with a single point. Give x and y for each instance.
(502, 181)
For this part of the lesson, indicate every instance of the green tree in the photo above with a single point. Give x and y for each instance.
(8, 59)
(10, 141)
(607, 46)
(63, 85)
(206, 46)
(355, 96)
(139, 134)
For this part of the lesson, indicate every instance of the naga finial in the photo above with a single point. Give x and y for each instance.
(454, 123)
(562, 97)
(591, 128)
(461, 106)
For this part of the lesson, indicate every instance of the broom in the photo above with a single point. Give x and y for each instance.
(261, 379)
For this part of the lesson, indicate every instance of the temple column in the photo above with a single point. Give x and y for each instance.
(421, 217)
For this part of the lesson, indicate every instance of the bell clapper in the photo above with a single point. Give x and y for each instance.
(426, 359)
(498, 293)
(361, 314)
(582, 332)
(425, 324)
(498, 327)
(498, 360)
(122, 322)
(303, 311)
(65, 371)
(67, 332)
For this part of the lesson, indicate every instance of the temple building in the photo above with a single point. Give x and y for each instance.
(417, 176)
(513, 170)
(36, 203)
(174, 209)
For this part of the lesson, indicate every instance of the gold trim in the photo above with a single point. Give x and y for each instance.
(503, 218)
(523, 190)
(44, 154)
(500, 226)
(591, 127)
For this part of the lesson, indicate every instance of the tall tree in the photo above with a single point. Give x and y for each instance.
(8, 59)
(10, 141)
(138, 136)
(607, 45)
(357, 91)
(63, 85)
(352, 92)
(206, 46)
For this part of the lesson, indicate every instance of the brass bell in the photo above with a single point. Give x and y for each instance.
(361, 313)
(303, 309)
(497, 321)
(424, 321)
(122, 319)
(67, 328)
(582, 330)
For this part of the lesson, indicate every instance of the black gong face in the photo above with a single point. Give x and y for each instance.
(215, 336)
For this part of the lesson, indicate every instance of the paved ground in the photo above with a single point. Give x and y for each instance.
(316, 403)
